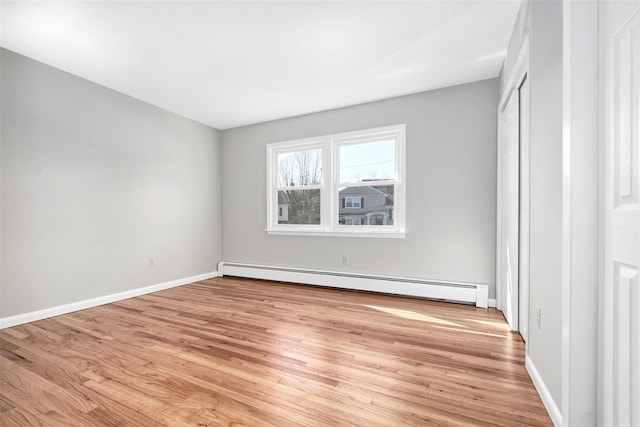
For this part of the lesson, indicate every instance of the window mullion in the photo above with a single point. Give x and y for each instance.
(327, 197)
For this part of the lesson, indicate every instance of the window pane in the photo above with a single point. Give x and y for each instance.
(299, 207)
(368, 161)
(369, 205)
(300, 168)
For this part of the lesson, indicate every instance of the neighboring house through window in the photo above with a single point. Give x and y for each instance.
(352, 221)
(343, 184)
(283, 209)
(373, 205)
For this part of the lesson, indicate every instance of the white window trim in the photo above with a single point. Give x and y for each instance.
(329, 225)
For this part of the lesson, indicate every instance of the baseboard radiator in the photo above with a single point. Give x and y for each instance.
(469, 293)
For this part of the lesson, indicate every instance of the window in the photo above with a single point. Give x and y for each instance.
(352, 202)
(349, 184)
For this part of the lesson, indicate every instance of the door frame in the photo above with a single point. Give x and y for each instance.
(515, 80)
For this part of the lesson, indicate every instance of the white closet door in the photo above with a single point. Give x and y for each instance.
(509, 208)
(620, 68)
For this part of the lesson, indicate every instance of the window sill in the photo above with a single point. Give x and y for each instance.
(320, 233)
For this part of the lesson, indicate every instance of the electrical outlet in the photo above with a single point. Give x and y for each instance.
(345, 260)
(538, 315)
(152, 261)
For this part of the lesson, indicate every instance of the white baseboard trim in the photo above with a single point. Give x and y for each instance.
(32, 316)
(547, 400)
(450, 291)
(492, 303)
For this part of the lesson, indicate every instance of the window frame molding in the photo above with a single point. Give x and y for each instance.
(329, 188)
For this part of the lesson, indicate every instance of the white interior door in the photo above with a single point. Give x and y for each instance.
(523, 227)
(509, 208)
(620, 320)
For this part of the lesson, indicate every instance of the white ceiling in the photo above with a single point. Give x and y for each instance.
(232, 63)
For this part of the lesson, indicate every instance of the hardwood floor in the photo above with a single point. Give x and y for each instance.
(230, 351)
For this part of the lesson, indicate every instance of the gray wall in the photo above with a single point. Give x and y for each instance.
(451, 189)
(543, 21)
(93, 183)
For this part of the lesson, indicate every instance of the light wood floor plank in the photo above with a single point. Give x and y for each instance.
(230, 351)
